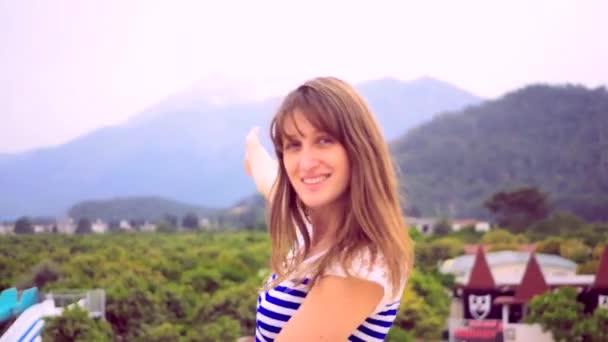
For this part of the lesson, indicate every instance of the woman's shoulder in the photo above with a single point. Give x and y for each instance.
(366, 265)
(361, 264)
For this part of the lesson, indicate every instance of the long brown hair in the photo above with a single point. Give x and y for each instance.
(372, 220)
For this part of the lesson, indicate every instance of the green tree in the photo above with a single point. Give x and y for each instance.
(220, 329)
(424, 307)
(131, 307)
(75, 325)
(136, 223)
(575, 250)
(24, 226)
(572, 249)
(164, 227)
(560, 223)
(114, 225)
(591, 266)
(500, 239)
(550, 245)
(84, 226)
(171, 220)
(396, 334)
(203, 280)
(518, 209)
(190, 221)
(442, 227)
(164, 332)
(429, 254)
(42, 274)
(559, 312)
(588, 267)
(415, 234)
(597, 327)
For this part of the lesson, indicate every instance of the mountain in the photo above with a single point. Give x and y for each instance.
(135, 208)
(246, 213)
(552, 137)
(209, 92)
(188, 148)
(399, 106)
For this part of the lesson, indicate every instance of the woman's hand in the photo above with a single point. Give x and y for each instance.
(259, 164)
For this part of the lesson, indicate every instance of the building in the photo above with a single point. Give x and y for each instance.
(6, 228)
(66, 225)
(99, 226)
(496, 288)
(508, 266)
(426, 225)
(478, 226)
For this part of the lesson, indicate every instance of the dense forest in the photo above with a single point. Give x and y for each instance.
(175, 287)
(202, 286)
(554, 138)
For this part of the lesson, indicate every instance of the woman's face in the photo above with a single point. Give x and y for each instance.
(316, 163)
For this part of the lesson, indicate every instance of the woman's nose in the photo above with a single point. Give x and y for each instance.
(308, 159)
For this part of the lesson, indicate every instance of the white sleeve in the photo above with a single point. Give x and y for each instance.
(378, 273)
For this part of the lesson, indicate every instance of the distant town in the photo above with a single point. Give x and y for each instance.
(68, 225)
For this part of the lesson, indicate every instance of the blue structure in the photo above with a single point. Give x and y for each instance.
(11, 307)
(8, 300)
(28, 298)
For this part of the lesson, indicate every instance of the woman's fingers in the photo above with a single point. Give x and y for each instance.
(258, 163)
(247, 167)
(252, 144)
(253, 136)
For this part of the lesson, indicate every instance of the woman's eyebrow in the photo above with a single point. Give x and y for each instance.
(290, 136)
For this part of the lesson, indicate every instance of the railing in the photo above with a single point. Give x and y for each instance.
(94, 301)
(462, 330)
(476, 331)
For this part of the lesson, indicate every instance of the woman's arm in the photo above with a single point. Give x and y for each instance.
(259, 164)
(332, 310)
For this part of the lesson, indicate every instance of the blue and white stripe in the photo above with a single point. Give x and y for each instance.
(33, 331)
(276, 306)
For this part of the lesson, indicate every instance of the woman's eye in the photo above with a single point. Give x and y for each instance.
(326, 140)
(289, 145)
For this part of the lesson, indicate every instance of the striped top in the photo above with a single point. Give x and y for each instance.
(276, 306)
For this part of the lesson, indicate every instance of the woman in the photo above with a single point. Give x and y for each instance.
(341, 253)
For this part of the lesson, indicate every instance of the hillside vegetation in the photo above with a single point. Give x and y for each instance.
(553, 138)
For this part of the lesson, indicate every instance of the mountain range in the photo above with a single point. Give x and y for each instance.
(189, 148)
(552, 137)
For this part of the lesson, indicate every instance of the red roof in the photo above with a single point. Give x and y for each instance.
(481, 276)
(533, 282)
(601, 276)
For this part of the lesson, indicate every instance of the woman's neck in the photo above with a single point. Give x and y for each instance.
(325, 223)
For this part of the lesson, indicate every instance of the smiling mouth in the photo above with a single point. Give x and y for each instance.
(314, 180)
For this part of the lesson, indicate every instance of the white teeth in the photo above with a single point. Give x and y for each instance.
(314, 180)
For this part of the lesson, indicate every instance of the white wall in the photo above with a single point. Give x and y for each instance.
(526, 332)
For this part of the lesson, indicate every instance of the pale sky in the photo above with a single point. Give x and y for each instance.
(67, 67)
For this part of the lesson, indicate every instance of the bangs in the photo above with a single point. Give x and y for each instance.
(316, 109)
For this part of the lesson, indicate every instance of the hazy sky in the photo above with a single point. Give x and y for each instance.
(67, 67)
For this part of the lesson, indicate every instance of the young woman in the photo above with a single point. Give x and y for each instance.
(341, 253)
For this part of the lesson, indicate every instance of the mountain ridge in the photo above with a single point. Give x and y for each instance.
(187, 151)
(554, 137)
